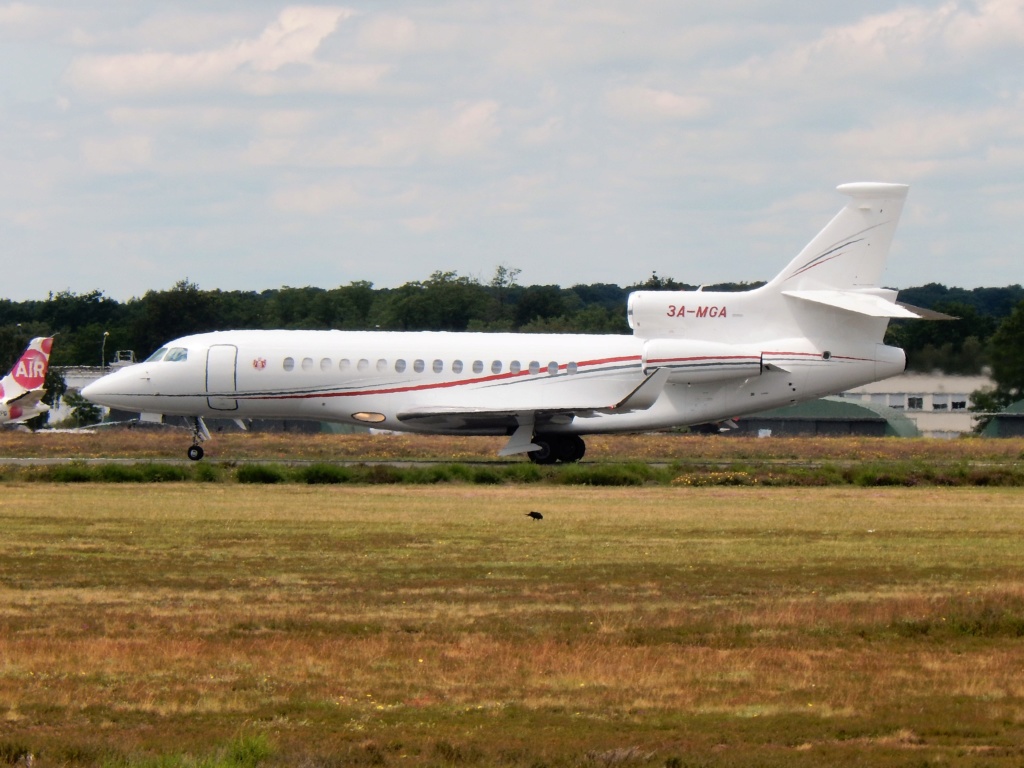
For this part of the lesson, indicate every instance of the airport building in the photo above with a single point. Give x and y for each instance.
(937, 404)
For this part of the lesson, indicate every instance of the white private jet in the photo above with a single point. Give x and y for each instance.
(694, 357)
(21, 390)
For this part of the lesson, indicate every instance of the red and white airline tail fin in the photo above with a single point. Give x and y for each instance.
(29, 373)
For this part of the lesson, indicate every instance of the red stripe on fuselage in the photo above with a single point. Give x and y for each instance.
(432, 385)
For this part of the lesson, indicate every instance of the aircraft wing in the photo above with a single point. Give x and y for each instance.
(522, 420)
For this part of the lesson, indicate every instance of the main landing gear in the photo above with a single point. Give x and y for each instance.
(553, 448)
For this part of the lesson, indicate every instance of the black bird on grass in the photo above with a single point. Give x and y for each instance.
(535, 515)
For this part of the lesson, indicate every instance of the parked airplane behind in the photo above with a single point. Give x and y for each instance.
(21, 390)
(694, 357)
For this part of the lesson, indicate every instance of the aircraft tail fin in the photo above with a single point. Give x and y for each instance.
(849, 254)
(29, 372)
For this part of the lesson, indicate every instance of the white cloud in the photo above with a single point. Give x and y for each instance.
(115, 155)
(579, 142)
(994, 24)
(469, 130)
(23, 16)
(292, 39)
(392, 34)
(317, 199)
(644, 103)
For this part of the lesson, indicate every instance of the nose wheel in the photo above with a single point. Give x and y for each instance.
(199, 433)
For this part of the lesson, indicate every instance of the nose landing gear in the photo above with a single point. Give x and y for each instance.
(199, 434)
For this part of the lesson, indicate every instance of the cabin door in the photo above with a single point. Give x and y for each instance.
(222, 377)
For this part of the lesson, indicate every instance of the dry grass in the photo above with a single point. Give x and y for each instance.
(440, 626)
(228, 446)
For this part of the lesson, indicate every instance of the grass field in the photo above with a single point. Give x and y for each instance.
(239, 446)
(193, 624)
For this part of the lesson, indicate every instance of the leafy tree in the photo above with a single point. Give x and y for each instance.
(656, 283)
(1006, 352)
(502, 284)
(445, 302)
(164, 315)
(953, 346)
(1007, 355)
(83, 413)
(351, 305)
(539, 302)
(55, 387)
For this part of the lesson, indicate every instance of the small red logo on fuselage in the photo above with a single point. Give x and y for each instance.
(259, 363)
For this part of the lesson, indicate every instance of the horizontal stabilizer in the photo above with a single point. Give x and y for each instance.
(863, 303)
(926, 314)
(27, 399)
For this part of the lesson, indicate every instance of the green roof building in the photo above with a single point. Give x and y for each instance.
(834, 416)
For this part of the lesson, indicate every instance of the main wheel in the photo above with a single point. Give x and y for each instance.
(195, 452)
(570, 448)
(564, 448)
(545, 453)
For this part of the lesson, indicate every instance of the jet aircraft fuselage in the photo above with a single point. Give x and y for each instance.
(694, 357)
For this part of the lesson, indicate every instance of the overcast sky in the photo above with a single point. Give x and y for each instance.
(251, 145)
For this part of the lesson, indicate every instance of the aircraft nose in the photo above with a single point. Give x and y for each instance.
(107, 390)
(95, 390)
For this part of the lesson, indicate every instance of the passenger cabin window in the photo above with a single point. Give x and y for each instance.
(325, 364)
(552, 368)
(363, 364)
(400, 366)
(457, 366)
(158, 355)
(418, 366)
(515, 366)
(534, 367)
(382, 365)
(289, 364)
(478, 366)
(496, 366)
(344, 364)
(438, 366)
(176, 355)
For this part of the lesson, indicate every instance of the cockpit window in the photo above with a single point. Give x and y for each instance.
(176, 355)
(158, 355)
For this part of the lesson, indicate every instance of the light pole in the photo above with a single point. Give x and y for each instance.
(103, 351)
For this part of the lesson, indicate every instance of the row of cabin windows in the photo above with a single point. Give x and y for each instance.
(419, 366)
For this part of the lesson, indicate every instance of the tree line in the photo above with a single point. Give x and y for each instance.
(91, 327)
